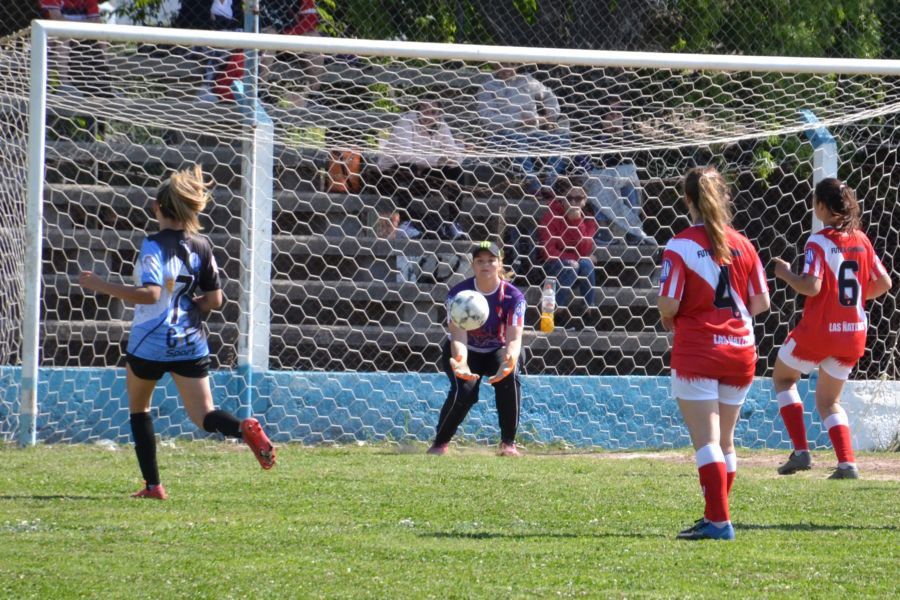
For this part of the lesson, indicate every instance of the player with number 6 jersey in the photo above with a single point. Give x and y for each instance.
(712, 284)
(840, 272)
(176, 284)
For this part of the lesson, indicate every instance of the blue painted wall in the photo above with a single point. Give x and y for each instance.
(82, 404)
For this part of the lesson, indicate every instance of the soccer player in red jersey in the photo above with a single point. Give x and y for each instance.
(712, 284)
(840, 273)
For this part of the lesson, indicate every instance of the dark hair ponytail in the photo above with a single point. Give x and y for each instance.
(840, 199)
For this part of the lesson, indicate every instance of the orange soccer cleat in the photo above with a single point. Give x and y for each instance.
(157, 492)
(259, 442)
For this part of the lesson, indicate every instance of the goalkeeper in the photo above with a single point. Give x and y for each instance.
(176, 284)
(492, 349)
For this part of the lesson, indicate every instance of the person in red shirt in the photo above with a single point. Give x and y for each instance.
(712, 284)
(306, 19)
(840, 272)
(71, 10)
(567, 236)
(80, 65)
(297, 74)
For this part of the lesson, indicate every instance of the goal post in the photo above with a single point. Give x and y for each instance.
(34, 233)
(339, 243)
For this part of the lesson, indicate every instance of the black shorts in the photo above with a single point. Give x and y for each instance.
(153, 370)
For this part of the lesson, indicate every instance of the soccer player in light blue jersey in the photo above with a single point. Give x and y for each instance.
(176, 283)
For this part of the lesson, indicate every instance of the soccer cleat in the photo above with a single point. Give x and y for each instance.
(801, 461)
(845, 473)
(697, 525)
(259, 442)
(157, 492)
(438, 449)
(707, 531)
(509, 450)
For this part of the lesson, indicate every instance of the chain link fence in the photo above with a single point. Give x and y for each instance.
(849, 29)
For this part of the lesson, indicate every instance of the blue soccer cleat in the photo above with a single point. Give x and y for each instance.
(707, 531)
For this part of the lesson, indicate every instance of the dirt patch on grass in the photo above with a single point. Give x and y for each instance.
(881, 466)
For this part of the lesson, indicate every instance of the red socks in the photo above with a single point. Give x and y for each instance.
(839, 432)
(730, 471)
(791, 409)
(711, 465)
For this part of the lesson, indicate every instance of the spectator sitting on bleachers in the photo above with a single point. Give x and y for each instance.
(567, 236)
(613, 188)
(421, 157)
(77, 61)
(220, 67)
(393, 225)
(523, 115)
(422, 141)
(297, 75)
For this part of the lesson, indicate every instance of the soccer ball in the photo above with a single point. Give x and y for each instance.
(468, 310)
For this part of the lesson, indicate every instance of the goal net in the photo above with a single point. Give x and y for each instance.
(351, 178)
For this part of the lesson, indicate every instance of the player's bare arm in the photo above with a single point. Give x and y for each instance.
(804, 284)
(668, 308)
(879, 287)
(459, 353)
(145, 294)
(209, 301)
(759, 304)
(513, 349)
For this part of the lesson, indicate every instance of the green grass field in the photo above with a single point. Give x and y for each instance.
(388, 522)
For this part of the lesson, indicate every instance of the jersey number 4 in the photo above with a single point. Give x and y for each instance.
(724, 294)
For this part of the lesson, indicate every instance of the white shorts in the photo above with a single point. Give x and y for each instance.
(707, 389)
(830, 365)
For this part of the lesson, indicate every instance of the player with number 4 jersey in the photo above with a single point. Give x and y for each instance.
(840, 272)
(712, 284)
(714, 328)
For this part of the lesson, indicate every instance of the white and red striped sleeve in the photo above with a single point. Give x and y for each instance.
(757, 284)
(51, 4)
(876, 267)
(814, 260)
(672, 275)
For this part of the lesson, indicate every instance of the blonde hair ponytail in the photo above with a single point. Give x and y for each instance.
(183, 196)
(706, 189)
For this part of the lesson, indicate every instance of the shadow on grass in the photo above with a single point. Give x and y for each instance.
(812, 527)
(488, 535)
(51, 497)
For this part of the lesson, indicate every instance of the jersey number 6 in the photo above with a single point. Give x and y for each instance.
(848, 285)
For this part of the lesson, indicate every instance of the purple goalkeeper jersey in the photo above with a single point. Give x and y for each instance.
(506, 308)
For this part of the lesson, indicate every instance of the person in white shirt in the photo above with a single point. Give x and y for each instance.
(420, 139)
(522, 114)
(419, 158)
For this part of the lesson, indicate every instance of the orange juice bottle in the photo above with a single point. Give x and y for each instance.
(548, 304)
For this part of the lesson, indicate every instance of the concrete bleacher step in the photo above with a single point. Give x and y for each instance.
(133, 164)
(314, 257)
(398, 348)
(328, 303)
